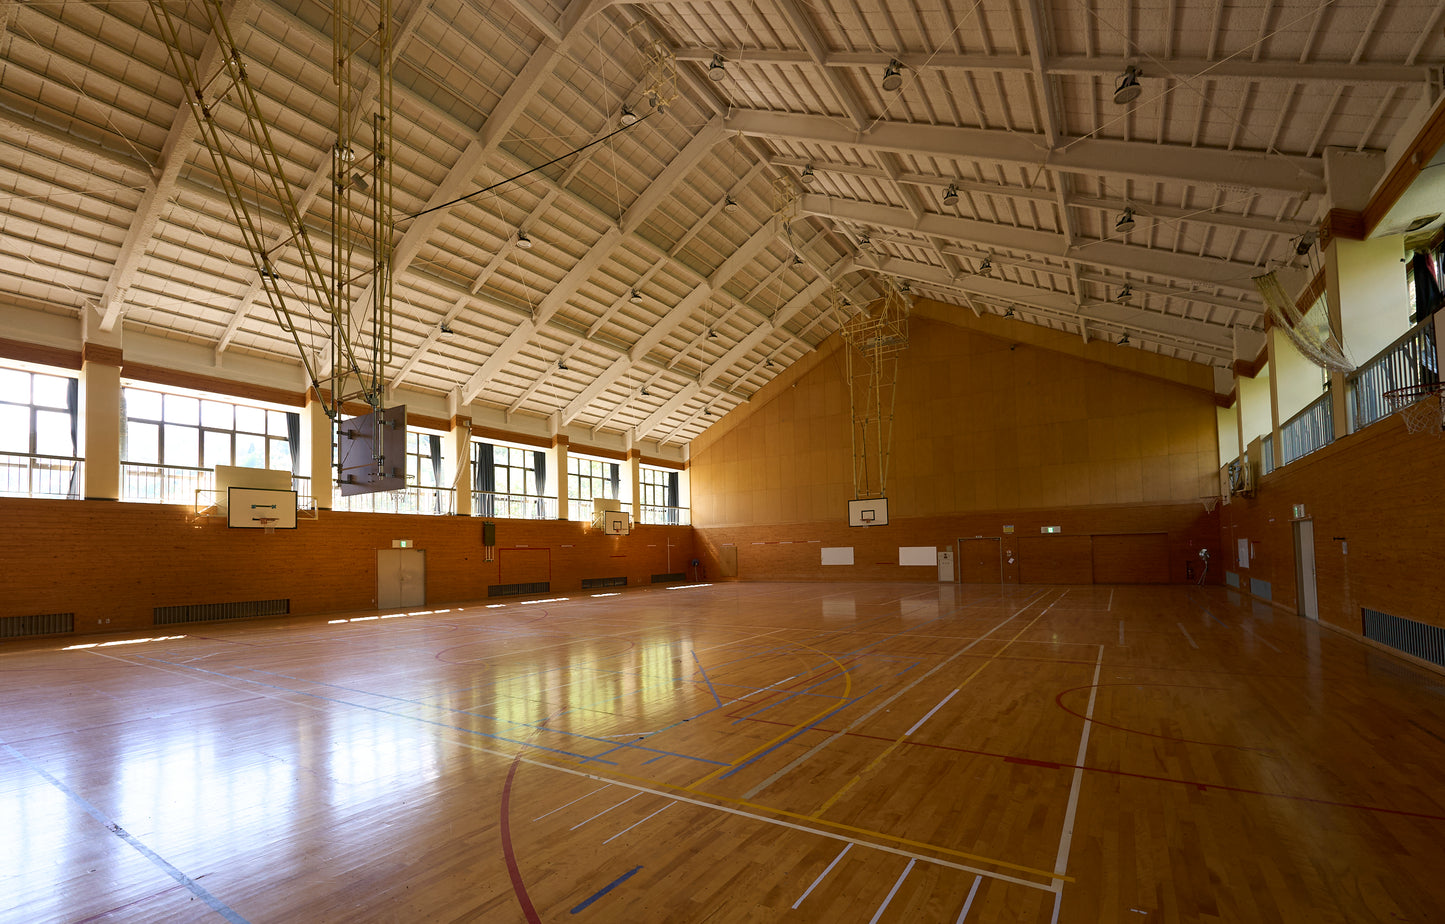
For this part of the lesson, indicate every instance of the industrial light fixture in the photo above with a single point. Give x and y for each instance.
(1009, 313)
(716, 70)
(951, 197)
(893, 75)
(865, 242)
(730, 204)
(797, 260)
(808, 175)
(635, 297)
(1127, 88)
(446, 329)
(985, 267)
(628, 117)
(1124, 293)
(1124, 340)
(711, 334)
(562, 365)
(645, 392)
(769, 363)
(707, 412)
(523, 241)
(1125, 224)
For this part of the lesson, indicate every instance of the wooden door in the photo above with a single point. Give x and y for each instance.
(980, 561)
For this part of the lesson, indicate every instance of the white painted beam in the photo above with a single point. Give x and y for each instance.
(669, 407)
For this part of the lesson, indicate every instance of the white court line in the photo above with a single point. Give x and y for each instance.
(1187, 636)
(969, 902)
(941, 704)
(1121, 632)
(892, 892)
(605, 811)
(1110, 607)
(636, 823)
(821, 876)
(1066, 838)
(573, 802)
(1265, 642)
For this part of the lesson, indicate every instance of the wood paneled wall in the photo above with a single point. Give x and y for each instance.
(793, 552)
(1376, 499)
(117, 561)
(981, 423)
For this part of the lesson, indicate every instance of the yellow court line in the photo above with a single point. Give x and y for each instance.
(901, 738)
(847, 688)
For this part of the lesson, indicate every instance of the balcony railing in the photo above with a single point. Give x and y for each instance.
(163, 484)
(513, 506)
(414, 499)
(665, 516)
(1312, 428)
(25, 474)
(1411, 360)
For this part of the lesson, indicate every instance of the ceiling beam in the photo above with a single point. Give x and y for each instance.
(1172, 163)
(806, 31)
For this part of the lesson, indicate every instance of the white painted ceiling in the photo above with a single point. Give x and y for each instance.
(110, 204)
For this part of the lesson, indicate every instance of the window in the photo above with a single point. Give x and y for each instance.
(659, 495)
(588, 479)
(423, 459)
(38, 423)
(509, 481)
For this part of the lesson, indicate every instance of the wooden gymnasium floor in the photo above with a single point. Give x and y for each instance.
(738, 752)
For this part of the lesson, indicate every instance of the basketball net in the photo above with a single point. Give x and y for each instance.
(1421, 407)
(1210, 502)
(267, 523)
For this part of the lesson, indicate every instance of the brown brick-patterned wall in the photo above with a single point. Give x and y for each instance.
(1380, 494)
(116, 561)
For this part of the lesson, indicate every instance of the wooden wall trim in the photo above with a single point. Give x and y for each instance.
(507, 436)
(1344, 224)
(1249, 368)
(430, 423)
(105, 355)
(655, 462)
(159, 375)
(23, 352)
(459, 423)
(598, 451)
(1407, 169)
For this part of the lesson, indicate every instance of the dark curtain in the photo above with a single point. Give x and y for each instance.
(72, 404)
(539, 476)
(484, 479)
(616, 480)
(436, 468)
(1427, 290)
(674, 516)
(293, 438)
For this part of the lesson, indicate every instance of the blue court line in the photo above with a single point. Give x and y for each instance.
(398, 715)
(710, 688)
(196, 888)
(607, 888)
(761, 754)
(805, 691)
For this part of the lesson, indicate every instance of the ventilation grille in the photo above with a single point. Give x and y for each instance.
(1414, 638)
(39, 624)
(210, 612)
(669, 578)
(1261, 589)
(589, 583)
(512, 590)
(1231, 579)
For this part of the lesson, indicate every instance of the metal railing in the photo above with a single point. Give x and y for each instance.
(665, 516)
(427, 501)
(1266, 452)
(513, 506)
(1312, 428)
(24, 474)
(1411, 360)
(163, 484)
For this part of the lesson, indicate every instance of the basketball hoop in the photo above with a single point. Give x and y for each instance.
(1210, 501)
(267, 523)
(1421, 407)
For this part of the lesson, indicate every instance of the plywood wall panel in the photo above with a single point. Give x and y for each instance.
(1139, 558)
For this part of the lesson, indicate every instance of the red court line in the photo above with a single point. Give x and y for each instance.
(1201, 786)
(513, 871)
(1059, 701)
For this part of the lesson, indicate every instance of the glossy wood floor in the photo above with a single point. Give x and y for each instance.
(739, 752)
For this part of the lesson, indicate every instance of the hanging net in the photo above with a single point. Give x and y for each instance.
(1309, 332)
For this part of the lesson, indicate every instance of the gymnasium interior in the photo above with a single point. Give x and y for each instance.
(531, 460)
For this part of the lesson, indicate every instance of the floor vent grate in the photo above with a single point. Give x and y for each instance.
(512, 590)
(212, 612)
(589, 583)
(674, 578)
(39, 624)
(1420, 639)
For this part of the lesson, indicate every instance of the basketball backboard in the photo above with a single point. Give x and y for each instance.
(870, 511)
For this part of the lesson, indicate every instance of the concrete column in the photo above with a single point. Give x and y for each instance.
(457, 459)
(100, 420)
(634, 468)
(559, 451)
(319, 432)
(1274, 436)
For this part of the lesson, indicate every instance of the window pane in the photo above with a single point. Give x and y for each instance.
(183, 444)
(52, 391)
(250, 449)
(218, 415)
(499, 455)
(14, 386)
(276, 423)
(14, 428)
(52, 433)
(143, 404)
(142, 443)
(280, 455)
(217, 449)
(250, 419)
(182, 410)
(411, 441)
